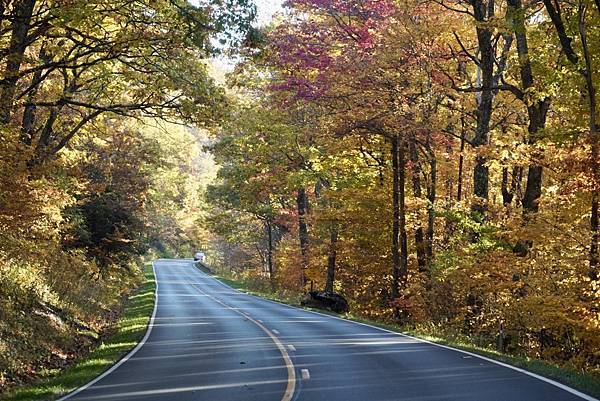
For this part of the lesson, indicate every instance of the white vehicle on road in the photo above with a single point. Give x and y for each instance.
(199, 257)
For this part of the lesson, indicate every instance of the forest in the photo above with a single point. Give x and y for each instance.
(433, 162)
(105, 106)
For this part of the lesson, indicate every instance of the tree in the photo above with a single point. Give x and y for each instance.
(587, 73)
(81, 198)
(121, 58)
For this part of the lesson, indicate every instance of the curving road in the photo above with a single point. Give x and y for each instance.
(210, 342)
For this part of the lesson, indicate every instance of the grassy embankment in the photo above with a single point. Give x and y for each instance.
(583, 382)
(128, 331)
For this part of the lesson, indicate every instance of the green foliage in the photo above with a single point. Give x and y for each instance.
(51, 302)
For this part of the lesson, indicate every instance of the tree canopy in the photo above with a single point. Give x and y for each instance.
(435, 162)
(104, 109)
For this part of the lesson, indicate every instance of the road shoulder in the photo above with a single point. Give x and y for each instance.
(129, 330)
(587, 384)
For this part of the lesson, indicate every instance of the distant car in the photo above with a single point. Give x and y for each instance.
(199, 257)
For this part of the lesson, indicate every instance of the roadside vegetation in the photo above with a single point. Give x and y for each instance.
(585, 382)
(121, 337)
(99, 163)
(434, 162)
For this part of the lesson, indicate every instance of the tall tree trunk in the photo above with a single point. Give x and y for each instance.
(449, 179)
(29, 113)
(395, 220)
(22, 13)
(587, 74)
(28, 123)
(481, 186)
(461, 160)
(402, 200)
(483, 11)
(417, 192)
(333, 238)
(331, 257)
(269, 227)
(302, 204)
(594, 141)
(537, 109)
(450, 199)
(431, 194)
(533, 190)
(508, 192)
(593, 273)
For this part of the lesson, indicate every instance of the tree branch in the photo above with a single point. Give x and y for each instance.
(565, 40)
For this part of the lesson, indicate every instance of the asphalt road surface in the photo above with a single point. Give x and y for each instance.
(209, 342)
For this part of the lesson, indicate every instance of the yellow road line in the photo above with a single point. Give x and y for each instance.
(291, 371)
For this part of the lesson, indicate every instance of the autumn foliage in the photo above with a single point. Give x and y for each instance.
(96, 165)
(435, 162)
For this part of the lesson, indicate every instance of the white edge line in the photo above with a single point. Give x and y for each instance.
(130, 354)
(520, 370)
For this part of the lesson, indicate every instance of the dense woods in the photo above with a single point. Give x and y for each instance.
(434, 162)
(96, 166)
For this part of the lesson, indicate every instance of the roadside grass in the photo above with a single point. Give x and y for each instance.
(244, 287)
(584, 382)
(128, 331)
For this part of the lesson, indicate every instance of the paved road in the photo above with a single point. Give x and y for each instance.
(209, 342)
